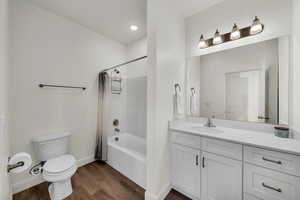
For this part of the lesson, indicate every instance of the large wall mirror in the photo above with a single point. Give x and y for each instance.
(247, 83)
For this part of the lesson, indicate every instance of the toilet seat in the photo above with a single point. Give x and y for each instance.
(60, 168)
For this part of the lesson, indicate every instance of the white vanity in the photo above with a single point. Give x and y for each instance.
(233, 164)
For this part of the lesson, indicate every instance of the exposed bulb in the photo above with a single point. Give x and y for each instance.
(217, 38)
(235, 33)
(256, 27)
(202, 43)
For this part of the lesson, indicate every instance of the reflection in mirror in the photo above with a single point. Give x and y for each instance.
(248, 83)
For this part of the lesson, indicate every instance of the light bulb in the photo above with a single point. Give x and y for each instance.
(217, 38)
(235, 33)
(256, 27)
(202, 43)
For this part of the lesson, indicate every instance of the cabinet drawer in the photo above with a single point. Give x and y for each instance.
(268, 184)
(186, 139)
(282, 162)
(220, 147)
(250, 197)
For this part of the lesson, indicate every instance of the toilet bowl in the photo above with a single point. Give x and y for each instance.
(58, 171)
(57, 165)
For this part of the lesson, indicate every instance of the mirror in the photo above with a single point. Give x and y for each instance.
(247, 83)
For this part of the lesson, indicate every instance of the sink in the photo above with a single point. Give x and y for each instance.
(206, 129)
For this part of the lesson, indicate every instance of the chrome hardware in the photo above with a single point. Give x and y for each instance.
(197, 160)
(271, 188)
(116, 122)
(209, 123)
(14, 166)
(272, 161)
(37, 169)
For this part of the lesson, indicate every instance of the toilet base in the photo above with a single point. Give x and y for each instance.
(60, 190)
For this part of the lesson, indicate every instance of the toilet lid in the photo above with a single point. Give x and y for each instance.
(59, 164)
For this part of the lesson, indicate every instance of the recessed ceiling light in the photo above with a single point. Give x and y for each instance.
(134, 27)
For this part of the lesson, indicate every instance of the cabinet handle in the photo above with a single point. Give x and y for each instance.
(203, 160)
(197, 160)
(272, 161)
(271, 188)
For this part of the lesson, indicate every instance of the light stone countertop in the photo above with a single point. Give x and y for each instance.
(260, 138)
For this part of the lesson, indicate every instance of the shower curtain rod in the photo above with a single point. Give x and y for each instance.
(120, 65)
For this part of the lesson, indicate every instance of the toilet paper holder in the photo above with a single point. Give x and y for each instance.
(14, 166)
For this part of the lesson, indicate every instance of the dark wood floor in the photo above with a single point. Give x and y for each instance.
(96, 181)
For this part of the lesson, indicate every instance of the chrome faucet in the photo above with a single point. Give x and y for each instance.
(209, 123)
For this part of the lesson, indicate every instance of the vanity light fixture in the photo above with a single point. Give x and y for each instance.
(256, 27)
(217, 38)
(202, 43)
(235, 33)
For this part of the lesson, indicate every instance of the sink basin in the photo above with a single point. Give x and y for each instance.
(206, 129)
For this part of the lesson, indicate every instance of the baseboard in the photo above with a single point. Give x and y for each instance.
(35, 180)
(25, 184)
(162, 194)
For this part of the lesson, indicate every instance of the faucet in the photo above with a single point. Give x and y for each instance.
(209, 123)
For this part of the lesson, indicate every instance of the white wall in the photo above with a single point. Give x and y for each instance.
(284, 70)
(4, 139)
(166, 66)
(137, 49)
(296, 68)
(274, 14)
(46, 48)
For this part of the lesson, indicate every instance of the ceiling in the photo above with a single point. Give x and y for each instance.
(112, 18)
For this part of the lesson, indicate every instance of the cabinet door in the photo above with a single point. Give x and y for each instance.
(221, 178)
(186, 170)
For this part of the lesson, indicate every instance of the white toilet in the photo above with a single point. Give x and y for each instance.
(59, 166)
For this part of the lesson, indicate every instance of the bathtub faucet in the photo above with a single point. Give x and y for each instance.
(117, 131)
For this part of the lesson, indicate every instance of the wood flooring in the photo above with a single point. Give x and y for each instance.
(96, 181)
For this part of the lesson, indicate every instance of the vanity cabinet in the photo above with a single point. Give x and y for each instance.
(221, 178)
(185, 170)
(206, 169)
(214, 169)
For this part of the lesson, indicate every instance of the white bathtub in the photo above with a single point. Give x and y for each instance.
(128, 156)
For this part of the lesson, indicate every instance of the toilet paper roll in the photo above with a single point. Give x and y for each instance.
(20, 157)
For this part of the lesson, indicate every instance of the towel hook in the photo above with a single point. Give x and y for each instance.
(177, 86)
(193, 90)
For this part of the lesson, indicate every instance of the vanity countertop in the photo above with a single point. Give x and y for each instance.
(241, 136)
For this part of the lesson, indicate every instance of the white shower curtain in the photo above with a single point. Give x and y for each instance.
(104, 111)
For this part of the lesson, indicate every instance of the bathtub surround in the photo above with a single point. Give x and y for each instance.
(46, 47)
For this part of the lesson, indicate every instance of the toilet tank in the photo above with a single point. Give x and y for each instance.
(52, 145)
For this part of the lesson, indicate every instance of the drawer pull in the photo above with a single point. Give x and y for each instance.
(203, 160)
(272, 161)
(271, 188)
(197, 160)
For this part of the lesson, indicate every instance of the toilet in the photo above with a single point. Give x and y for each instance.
(57, 165)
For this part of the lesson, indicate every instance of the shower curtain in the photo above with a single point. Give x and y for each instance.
(103, 130)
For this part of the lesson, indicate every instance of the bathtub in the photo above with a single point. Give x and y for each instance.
(128, 156)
